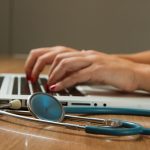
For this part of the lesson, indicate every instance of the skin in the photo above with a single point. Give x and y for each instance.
(141, 57)
(69, 67)
(39, 58)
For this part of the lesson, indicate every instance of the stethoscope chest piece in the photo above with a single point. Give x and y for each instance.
(51, 107)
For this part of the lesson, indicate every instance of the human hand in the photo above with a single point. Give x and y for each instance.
(39, 58)
(69, 69)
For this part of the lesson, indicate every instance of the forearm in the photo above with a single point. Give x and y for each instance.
(142, 75)
(141, 57)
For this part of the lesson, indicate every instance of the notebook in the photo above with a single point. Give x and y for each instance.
(15, 86)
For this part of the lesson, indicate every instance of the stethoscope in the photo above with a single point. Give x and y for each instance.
(47, 109)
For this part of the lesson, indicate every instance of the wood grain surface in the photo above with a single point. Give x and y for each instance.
(16, 134)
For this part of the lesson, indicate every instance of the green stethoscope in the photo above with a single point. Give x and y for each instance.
(48, 109)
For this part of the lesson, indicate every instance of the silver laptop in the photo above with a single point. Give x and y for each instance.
(15, 86)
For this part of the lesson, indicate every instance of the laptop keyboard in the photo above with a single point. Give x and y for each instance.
(24, 87)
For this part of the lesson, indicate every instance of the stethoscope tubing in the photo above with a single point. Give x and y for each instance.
(49, 110)
(115, 111)
(126, 129)
(107, 110)
(145, 131)
(134, 128)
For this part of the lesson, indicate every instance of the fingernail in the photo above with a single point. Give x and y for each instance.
(53, 87)
(47, 87)
(32, 79)
(28, 77)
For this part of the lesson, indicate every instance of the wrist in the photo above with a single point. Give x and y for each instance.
(130, 57)
(142, 74)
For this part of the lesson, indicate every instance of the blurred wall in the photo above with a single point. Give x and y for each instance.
(4, 26)
(112, 26)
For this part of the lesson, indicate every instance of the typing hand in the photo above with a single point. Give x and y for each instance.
(91, 66)
(39, 58)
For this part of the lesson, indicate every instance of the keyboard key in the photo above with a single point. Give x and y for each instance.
(25, 87)
(44, 84)
(15, 86)
(1, 81)
(74, 92)
(63, 93)
(36, 87)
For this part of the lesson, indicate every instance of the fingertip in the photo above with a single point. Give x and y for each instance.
(28, 76)
(28, 73)
(56, 87)
(47, 87)
(50, 81)
(33, 79)
(53, 88)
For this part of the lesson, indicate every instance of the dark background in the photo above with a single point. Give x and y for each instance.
(112, 26)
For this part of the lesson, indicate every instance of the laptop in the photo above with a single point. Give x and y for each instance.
(15, 86)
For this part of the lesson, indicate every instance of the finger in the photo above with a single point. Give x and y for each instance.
(66, 66)
(62, 56)
(34, 54)
(41, 62)
(80, 76)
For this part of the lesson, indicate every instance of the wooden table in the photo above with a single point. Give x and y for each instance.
(18, 134)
